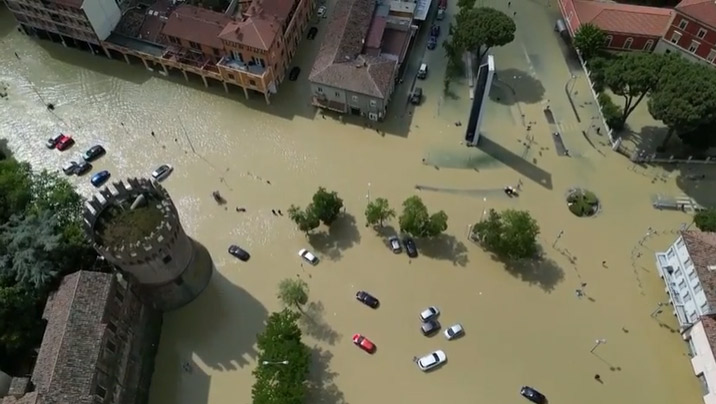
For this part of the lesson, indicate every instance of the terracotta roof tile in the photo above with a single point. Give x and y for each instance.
(257, 32)
(196, 24)
(339, 62)
(700, 10)
(702, 250)
(709, 323)
(623, 18)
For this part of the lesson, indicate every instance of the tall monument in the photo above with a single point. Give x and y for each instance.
(483, 83)
(135, 226)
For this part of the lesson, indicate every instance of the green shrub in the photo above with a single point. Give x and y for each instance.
(611, 111)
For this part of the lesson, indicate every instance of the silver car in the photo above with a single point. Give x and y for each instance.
(429, 314)
(454, 331)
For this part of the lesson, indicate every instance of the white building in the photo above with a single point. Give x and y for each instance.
(702, 346)
(688, 268)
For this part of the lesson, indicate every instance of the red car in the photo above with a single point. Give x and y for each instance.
(65, 142)
(364, 343)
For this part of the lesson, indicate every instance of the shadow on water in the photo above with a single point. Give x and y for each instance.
(341, 235)
(321, 385)
(225, 339)
(517, 163)
(445, 247)
(314, 324)
(524, 87)
(543, 272)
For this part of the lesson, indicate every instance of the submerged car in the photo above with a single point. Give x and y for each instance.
(410, 247)
(312, 33)
(435, 31)
(100, 178)
(52, 142)
(395, 244)
(454, 331)
(533, 395)
(162, 172)
(432, 43)
(308, 256)
(69, 168)
(293, 74)
(83, 167)
(429, 313)
(239, 252)
(323, 12)
(64, 143)
(417, 96)
(432, 360)
(429, 327)
(364, 343)
(93, 153)
(367, 299)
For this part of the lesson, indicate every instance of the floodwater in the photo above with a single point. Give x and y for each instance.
(524, 325)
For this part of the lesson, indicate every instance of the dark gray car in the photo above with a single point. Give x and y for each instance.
(430, 327)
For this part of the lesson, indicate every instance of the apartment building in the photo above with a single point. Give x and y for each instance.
(98, 347)
(692, 31)
(79, 23)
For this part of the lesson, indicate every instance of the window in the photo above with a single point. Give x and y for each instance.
(373, 103)
(692, 347)
(687, 298)
(687, 263)
(704, 384)
(111, 347)
(112, 327)
(252, 82)
(354, 98)
(680, 242)
(648, 45)
(692, 275)
(216, 52)
(100, 391)
(694, 46)
(671, 253)
(194, 45)
(675, 38)
(682, 284)
(683, 24)
(173, 40)
(711, 56)
(627, 43)
(698, 288)
(702, 33)
(705, 307)
(119, 295)
(678, 273)
(231, 76)
(319, 90)
(608, 41)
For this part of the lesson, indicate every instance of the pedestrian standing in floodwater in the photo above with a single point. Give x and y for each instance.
(273, 211)
(598, 378)
(509, 3)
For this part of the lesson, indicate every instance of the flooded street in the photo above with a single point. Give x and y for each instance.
(524, 326)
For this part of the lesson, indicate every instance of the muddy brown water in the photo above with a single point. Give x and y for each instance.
(523, 325)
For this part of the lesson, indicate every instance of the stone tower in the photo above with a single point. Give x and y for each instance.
(135, 226)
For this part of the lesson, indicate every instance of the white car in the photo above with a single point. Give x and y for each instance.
(308, 256)
(432, 360)
(322, 11)
(429, 314)
(454, 331)
(162, 172)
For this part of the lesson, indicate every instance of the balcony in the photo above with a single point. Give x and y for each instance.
(250, 68)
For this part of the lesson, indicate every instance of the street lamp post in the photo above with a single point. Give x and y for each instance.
(598, 342)
(559, 236)
(274, 362)
(367, 196)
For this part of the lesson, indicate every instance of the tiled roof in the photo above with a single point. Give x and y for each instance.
(702, 250)
(700, 10)
(257, 32)
(339, 62)
(623, 18)
(72, 343)
(709, 324)
(196, 24)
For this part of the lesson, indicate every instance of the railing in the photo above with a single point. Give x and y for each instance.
(254, 70)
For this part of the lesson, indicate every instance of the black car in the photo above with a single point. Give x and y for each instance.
(435, 31)
(410, 247)
(533, 395)
(312, 32)
(367, 299)
(83, 167)
(293, 74)
(93, 153)
(239, 252)
(430, 327)
(417, 96)
(432, 43)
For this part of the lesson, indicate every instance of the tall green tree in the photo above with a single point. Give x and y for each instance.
(28, 243)
(685, 101)
(326, 205)
(378, 211)
(589, 40)
(511, 234)
(706, 220)
(293, 292)
(416, 220)
(633, 75)
(466, 4)
(276, 382)
(305, 219)
(20, 321)
(480, 29)
(15, 188)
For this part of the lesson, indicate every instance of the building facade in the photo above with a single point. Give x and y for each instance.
(356, 68)
(628, 27)
(99, 346)
(692, 31)
(701, 339)
(83, 23)
(135, 226)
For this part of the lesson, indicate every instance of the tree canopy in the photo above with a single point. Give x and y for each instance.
(377, 211)
(325, 207)
(589, 40)
(276, 382)
(416, 220)
(685, 101)
(706, 220)
(511, 234)
(479, 29)
(305, 219)
(293, 292)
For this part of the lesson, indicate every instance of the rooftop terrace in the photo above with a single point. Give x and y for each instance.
(120, 224)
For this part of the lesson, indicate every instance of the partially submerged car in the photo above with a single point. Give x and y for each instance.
(367, 299)
(364, 343)
(533, 395)
(432, 360)
(239, 252)
(308, 256)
